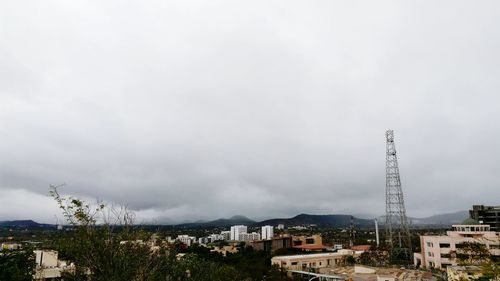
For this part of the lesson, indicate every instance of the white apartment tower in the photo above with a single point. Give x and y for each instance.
(236, 231)
(267, 232)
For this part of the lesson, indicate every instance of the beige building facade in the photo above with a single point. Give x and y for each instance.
(439, 251)
(313, 261)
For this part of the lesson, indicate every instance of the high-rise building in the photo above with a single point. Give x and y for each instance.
(267, 232)
(236, 230)
(489, 215)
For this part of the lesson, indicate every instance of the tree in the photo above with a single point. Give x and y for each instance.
(17, 265)
(490, 271)
(105, 246)
(373, 258)
(472, 253)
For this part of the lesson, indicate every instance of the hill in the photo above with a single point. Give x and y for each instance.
(442, 219)
(319, 220)
(20, 223)
(235, 220)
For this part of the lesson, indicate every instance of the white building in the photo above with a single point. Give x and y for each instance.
(440, 251)
(249, 236)
(267, 232)
(186, 239)
(226, 235)
(236, 231)
(281, 226)
(48, 266)
(210, 238)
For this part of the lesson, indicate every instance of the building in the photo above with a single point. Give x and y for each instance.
(226, 235)
(267, 232)
(440, 251)
(281, 226)
(236, 231)
(273, 244)
(313, 261)
(210, 238)
(249, 236)
(49, 267)
(307, 240)
(9, 246)
(367, 273)
(489, 215)
(460, 273)
(186, 239)
(224, 250)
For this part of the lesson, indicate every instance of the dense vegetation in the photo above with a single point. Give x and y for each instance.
(104, 245)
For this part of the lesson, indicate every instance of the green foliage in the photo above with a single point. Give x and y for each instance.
(373, 258)
(472, 253)
(490, 271)
(113, 250)
(17, 265)
(350, 260)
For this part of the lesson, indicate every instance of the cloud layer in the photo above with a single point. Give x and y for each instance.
(189, 110)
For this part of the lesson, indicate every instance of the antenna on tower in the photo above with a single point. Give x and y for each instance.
(396, 222)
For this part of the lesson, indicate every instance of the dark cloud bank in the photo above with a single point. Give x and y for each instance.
(189, 110)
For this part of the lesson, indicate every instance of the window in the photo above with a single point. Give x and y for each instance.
(444, 245)
(429, 244)
(446, 256)
(310, 241)
(294, 263)
(430, 254)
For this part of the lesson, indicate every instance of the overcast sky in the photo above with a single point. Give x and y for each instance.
(189, 110)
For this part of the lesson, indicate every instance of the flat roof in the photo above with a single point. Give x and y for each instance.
(321, 255)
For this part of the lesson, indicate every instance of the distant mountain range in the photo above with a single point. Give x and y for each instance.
(235, 220)
(302, 219)
(442, 219)
(23, 223)
(319, 220)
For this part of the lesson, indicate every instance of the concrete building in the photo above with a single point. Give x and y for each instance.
(489, 215)
(9, 246)
(307, 240)
(186, 239)
(460, 273)
(267, 232)
(249, 236)
(281, 226)
(226, 235)
(439, 251)
(231, 249)
(49, 267)
(210, 238)
(273, 244)
(313, 261)
(236, 231)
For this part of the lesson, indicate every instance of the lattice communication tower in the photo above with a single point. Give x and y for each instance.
(396, 225)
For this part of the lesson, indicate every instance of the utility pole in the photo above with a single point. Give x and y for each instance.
(396, 224)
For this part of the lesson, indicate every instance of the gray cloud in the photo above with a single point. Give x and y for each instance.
(196, 110)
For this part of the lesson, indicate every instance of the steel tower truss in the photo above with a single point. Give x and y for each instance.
(396, 225)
